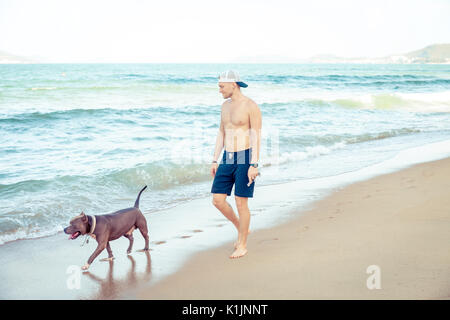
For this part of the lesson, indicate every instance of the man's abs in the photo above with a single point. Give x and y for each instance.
(237, 139)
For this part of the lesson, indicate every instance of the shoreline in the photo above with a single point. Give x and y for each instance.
(39, 268)
(397, 221)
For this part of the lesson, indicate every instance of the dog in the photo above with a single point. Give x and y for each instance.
(108, 227)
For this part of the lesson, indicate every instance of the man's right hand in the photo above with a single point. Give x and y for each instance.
(214, 167)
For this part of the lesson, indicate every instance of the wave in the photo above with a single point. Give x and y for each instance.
(424, 102)
(295, 156)
(381, 135)
(355, 79)
(53, 115)
(284, 99)
(165, 78)
(158, 175)
(329, 144)
(44, 88)
(25, 232)
(267, 99)
(100, 112)
(40, 207)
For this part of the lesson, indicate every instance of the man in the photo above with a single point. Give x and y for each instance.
(240, 134)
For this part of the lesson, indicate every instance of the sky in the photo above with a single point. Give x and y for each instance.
(211, 31)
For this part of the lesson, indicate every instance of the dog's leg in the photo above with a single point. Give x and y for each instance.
(130, 237)
(100, 247)
(142, 225)
(110, 254)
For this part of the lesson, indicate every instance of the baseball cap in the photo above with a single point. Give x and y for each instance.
(232, 76)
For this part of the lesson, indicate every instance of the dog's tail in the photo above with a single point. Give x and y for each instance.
(136, 204)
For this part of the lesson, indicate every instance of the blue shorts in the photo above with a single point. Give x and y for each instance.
(233, 169)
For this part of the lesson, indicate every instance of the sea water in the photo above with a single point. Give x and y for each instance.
(88, 137)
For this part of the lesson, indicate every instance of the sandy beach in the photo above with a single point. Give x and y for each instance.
(384, 217)
(397, 222)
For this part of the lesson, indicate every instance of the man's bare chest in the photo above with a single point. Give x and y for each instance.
(235, 116)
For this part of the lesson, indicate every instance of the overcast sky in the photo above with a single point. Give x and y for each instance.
(217, 31)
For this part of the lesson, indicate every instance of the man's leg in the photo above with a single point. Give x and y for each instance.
(220, 202)
(244, 223)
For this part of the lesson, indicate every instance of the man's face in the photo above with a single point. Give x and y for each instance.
(226, 89)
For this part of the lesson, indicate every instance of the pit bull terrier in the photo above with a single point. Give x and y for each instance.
(108, 227)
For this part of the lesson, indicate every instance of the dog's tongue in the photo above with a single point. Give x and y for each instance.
(73, 235)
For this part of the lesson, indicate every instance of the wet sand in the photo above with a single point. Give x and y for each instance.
(397, 223)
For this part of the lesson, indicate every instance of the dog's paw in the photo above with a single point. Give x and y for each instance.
(85, 267)
(107, 259)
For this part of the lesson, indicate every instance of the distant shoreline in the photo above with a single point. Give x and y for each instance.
(312, 63)
(432, 54)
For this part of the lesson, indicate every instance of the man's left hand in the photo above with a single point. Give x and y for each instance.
(252, 173)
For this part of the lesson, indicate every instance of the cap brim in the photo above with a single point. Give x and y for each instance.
(242, 84)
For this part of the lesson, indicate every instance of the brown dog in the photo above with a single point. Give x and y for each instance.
(108, 227)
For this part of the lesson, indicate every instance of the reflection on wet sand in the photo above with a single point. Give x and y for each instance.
(110, 288)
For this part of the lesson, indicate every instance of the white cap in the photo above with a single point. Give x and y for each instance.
(232, 76)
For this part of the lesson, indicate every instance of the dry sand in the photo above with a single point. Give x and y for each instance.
(399, 222)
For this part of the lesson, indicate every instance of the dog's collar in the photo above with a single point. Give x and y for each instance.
(93, 224)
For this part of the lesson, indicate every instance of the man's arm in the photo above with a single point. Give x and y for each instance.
(255, 131)
(219, 140)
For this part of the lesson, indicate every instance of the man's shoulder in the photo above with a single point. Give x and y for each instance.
(226, 102)
(251, 104)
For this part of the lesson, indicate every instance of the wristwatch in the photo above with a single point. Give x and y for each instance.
(254, 165)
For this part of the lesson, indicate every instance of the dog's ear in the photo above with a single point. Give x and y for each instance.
(84, 218)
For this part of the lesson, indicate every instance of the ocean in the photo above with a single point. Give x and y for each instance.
(88, 137)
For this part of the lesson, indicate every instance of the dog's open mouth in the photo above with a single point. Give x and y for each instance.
(74, 235)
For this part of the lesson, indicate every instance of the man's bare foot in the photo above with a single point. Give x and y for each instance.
(237, 242)
(239, 252)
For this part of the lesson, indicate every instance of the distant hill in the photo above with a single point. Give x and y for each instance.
(436, 53)
(9, 58)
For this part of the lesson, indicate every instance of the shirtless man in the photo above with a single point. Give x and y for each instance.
(240, 134)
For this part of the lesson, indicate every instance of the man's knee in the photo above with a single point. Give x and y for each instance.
(219, 202)
(241, 203)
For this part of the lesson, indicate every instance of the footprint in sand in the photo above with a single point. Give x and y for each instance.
(305, 228)
(265, 240)
(197, 230)
(159, 242)
(184, 237)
